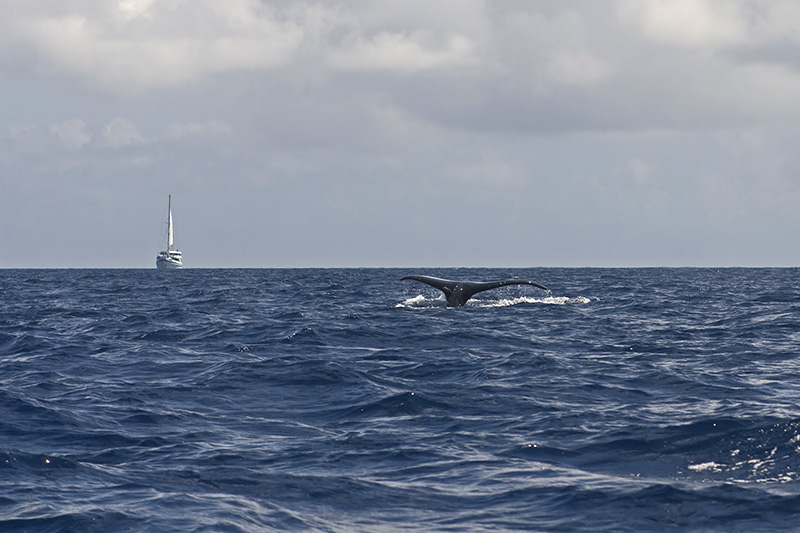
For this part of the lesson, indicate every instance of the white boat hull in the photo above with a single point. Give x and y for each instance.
(162, 262)
(169, 259)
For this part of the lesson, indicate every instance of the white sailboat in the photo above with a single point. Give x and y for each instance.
(169, 258)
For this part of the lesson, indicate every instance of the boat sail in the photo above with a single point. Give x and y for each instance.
(169, 258)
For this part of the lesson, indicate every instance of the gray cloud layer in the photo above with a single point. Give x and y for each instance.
(413, 133)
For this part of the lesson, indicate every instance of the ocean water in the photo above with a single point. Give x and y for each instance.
(348, 400)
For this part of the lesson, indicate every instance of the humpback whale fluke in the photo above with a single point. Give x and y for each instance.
(458, 292)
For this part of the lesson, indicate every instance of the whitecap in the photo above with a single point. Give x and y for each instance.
(548, 300)
(420, 301)
(706, 467)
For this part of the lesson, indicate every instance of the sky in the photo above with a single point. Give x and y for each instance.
(378, 133)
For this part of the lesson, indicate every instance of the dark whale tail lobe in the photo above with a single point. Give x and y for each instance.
(458, 292)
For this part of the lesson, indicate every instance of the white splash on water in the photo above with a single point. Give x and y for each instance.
(548, 300)
(422, 301)
(706, 467)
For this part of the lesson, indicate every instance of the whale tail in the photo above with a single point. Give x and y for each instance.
(458, 292)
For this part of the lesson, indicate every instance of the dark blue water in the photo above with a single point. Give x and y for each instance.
(347, 400)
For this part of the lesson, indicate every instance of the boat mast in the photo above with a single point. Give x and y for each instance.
(169, 225)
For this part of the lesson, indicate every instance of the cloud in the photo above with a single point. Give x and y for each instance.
(570, 132)
(72, 133)
(144, 45)
(687, 23)
(577, 68)
(131, 9)
(405, 53)
(464, 64)
(211, 128)
(121, 132)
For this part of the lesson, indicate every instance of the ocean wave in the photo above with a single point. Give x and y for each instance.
(340, 400)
